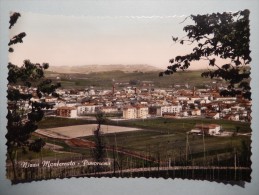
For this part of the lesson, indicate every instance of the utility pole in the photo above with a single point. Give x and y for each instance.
(204, 150)
(113, 160)
(235, 163)
(187, 146)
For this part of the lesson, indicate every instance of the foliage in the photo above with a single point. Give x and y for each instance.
(215, 37)
(25, 84)
(99, 150)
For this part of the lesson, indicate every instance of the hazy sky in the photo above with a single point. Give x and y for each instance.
(68, 40)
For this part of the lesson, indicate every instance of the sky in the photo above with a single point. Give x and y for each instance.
(86, 40)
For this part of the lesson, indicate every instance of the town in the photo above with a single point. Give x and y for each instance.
(143, 102)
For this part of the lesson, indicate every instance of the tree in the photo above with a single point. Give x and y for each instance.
(98, 151)
(25, 83)
(218, 36)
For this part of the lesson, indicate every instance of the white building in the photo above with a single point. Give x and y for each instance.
(86, 109)
(139, 111)
(169, 109)
(207, 129)
(182, 98)
(109, 109)
(51, 99)
(129, 112)
(142, 111)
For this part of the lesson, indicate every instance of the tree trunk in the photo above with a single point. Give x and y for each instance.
(13, 165)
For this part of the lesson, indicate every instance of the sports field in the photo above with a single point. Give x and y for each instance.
(75, 131)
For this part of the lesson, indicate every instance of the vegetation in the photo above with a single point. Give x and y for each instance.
(160, 142)
(219, 37)
(105, 80)
(51, 122)
(168, 138)
(22, 122)
(158, 124)
(99, 149)
(163, 140)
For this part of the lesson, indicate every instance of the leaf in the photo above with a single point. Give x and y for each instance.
(13, 18)
(174, 38)
(212, 62)
(10, 50)
(171, 60)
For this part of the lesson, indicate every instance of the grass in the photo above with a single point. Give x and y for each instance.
(184, 125)
(51, 122)
(105, 80)
(162, 138)
(45, 153)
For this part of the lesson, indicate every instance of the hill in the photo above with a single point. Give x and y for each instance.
(105, 80)
(86, 69)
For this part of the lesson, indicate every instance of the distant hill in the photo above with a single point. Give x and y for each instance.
(85, 69)
(105, 80)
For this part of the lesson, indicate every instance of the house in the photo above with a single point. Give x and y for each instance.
(50, 99)
(232, 117)
(67, 112)
(171, 115)
(207, 129)
(212, 115)
(225, 99)
(184, 113)
(196, 112)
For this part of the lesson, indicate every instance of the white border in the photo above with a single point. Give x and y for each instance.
(123, 9)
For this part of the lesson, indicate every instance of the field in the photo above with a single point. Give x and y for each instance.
(167, 138)
(148, 145)
(105, 80)
(69, 132)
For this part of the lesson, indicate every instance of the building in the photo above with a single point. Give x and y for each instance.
(109, 109)
(207, 129)
(129, 112)
(142, 111)
(169, 109)
(196, 112)
(67, 112)
(232, 117)
(86, 109)
(135, 112)
(212, 115)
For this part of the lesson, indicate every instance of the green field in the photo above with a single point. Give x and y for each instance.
(158, 124)
(163, 141)
(166, 138)
(104, 80)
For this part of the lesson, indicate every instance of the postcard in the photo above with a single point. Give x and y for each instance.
(154, 97)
